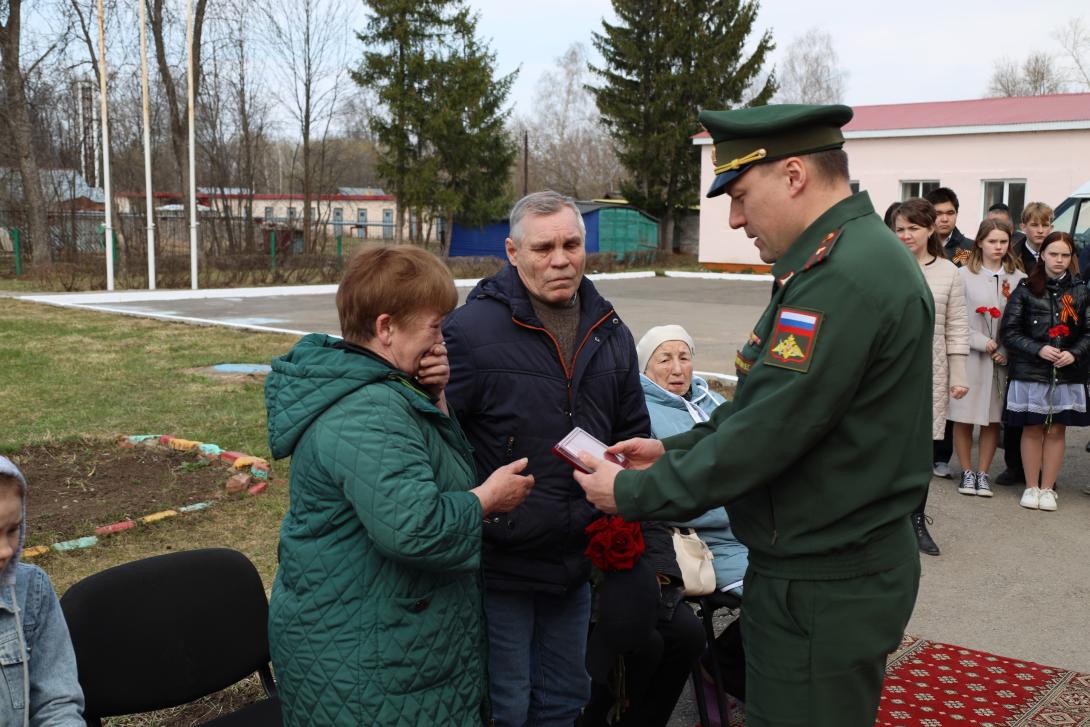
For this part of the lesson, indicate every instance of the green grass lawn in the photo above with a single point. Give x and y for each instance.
(68, 374)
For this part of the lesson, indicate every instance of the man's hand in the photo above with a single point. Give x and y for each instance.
(434, 372)
(639, 453)
(599, 484)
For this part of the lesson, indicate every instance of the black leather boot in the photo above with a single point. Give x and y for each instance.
(923, 538)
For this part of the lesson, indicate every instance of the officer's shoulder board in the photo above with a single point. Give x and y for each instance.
(793, 339)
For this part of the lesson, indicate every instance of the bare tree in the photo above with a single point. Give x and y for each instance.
(1074, 37)
(1038, 75)
(570, 151)
(810, 72)
(17, 118)
(172, 80)
(308, 47)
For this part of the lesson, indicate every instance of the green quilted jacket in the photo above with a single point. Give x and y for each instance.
(376, 613)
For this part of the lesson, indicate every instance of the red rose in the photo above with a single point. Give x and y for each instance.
(614, 544)
(982, 309)
(995, 312)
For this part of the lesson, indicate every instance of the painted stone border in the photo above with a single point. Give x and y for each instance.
(249, 473)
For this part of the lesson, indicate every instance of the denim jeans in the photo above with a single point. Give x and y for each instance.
(537, 656)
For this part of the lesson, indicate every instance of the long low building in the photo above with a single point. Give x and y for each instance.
(1010, 150)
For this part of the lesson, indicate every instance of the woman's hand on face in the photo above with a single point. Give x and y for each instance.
(505, 489)
(434, 372)
(1066, 358)
(1049, 353)
(639, 453)
(990, 346)
(957, 392)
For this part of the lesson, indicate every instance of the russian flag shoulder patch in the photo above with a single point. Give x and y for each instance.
(791, 345)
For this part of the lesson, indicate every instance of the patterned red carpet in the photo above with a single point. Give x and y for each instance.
(929, 684)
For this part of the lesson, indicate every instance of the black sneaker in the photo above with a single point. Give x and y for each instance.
(1010, 477)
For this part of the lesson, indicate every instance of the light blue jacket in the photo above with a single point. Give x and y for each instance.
(671, 414)
(39, 685)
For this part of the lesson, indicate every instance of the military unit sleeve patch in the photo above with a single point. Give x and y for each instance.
(793, 339)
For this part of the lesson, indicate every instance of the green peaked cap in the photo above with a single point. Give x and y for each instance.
(743, 138)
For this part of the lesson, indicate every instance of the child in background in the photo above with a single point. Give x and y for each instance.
(39, 665)
(1047, 337)
(1037, 225)
(989, 276)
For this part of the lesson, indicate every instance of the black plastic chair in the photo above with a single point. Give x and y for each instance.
(164, 631)
(706, 608)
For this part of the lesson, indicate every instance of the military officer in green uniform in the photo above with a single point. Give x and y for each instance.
(825, 449)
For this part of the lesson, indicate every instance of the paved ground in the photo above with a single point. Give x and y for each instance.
(1010, 581)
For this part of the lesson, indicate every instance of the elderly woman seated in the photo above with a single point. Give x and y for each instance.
(676, 400)
(376, 616)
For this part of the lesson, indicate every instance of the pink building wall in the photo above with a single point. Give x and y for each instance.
(1052, 163)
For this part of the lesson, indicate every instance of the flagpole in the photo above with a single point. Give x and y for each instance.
(192, 153)
(147, 143)
(108, 228)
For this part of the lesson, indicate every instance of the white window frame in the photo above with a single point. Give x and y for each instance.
(920, 183)
(1006, 195)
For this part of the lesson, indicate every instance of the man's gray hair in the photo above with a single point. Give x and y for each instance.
(542, 204)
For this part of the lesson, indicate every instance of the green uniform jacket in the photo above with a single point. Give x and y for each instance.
(826, 448)
(376, 611)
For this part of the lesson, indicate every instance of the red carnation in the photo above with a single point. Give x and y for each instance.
(995, 312)
(1058, 331)
(614, 544)
(982, 309)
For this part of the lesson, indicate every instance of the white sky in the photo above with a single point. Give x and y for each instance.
(893, 52)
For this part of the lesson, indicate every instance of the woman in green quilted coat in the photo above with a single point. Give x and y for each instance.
(376, 612)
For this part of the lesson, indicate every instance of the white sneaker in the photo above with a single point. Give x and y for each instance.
(1047, 501)
(968, 483)
(942, 469)
(1031, 498)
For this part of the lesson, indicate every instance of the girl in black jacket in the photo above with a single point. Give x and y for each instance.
(1048, 341)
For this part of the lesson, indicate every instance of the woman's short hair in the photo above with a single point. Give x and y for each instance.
(919, 211)
(402, 281)
(976, 257)
(1037, 279)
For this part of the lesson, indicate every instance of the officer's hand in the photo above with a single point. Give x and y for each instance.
(639, 453)
(599, 484)
(1066, 358)
(957, 392)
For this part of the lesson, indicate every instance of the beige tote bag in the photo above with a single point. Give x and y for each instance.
(695, 560)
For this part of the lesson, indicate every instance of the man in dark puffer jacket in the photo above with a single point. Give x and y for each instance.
(534, 352)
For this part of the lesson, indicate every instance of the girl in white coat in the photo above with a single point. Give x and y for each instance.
(989, 277)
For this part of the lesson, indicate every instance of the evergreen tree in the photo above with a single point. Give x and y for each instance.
(399, 38)
(443, 149)
(665, 61)
(473, 154)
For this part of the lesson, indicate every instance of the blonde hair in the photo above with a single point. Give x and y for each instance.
(1037, 212)
(976, 257)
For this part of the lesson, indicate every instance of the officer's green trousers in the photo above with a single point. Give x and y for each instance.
(816, 650)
